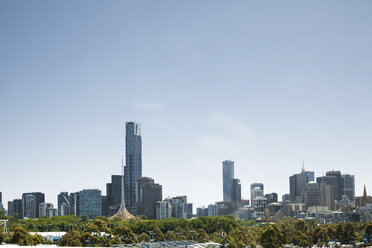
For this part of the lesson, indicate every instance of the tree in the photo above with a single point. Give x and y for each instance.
(349, 232)
(20, 236)
(320, 236)
(38, 239)
(202, 236)
(170, 236)
(158, 234)
(72, 238)
(369, 228)
(143, 237)
(271, 237)
(301, 239)
(126, 234)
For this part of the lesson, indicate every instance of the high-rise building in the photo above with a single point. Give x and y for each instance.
(90, 203)
(327, 195)
(348, 186)
(30, 204)
(133, 164)
(329, 180)
(63, 201)
(75, 204)
(257, 190)
(151, 193)
(311, 194)
(298, 182)
(1, 201)
(179, 206)
(338, 186)
(189, 211)
(228, 176)
(236, 193)
(272, 197)
(163, 210)
(140, 182)
(15, 208)
(44, 209)
(105, 206)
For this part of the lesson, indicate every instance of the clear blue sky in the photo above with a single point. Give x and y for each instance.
(267, 84)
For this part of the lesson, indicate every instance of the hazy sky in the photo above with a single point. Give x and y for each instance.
(267, 84)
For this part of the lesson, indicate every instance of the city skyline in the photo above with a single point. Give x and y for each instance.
(265, 85)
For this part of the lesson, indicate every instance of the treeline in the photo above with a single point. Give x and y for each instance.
(221, 229)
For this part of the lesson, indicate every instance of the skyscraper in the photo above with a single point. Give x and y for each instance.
(90, 203)
(236, 193)
(139, 197)
(15, 208)
(257, 189)
(31, 202)
(298, 182)
(75, 204)
(63, 201)
(151, 193)
(348, 186)
(338, 186)
(133, 163)
(228, 176)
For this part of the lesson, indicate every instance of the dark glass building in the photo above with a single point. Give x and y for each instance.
(63, 201)
(90, 203)
(228, 176)
(151, 193)
(75, 204)
(139, 197)
(338, 186)
(15, 208)
(189, 211)
(348, 186)
(236, 193)
(298, 182)
(133, 164)
(272, 197)
(30, 204)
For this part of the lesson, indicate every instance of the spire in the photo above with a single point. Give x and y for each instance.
(364, 191)
(123, 212)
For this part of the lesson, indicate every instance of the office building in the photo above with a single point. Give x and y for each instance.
(189, 211)
(212, 210)
(257, 189)
(140, 182)
(105, 206)
(133, 164)
(327, 195)
(90, 203)
(179, 207)
(329, 180)
(259, 203)
(272, 197)
(286, 198)
(151, 193)
(298, 182)
(338, 186)
(44, 209)
(348, 186)
(228, 176)
(15, 208)
(75, 204)
(30, 204)
(236, 193)
(63, 203)
(311, 194)
(52, 212)
(163, 210)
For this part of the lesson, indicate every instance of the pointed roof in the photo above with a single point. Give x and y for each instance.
(364, 191)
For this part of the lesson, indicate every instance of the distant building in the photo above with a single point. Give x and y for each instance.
(90, 203)
(257, 189)
(1, 200)
(272, 197)
(133, 163)
(163, 210)
(338, 186)
(311, 194)
(236, 193)
(332, 181)
(52, 212)
(30, 204)
(189, 211)
(259, 203)
(348, 186)
(15, 208)
(327, 195)
(228, 176)
(75, 204)
(151, 193)
(179, 207)
(139, 196)
(63, 203)
(44, 208)
(298, 182)
(212, 210)
(105, 206)
(286, 198)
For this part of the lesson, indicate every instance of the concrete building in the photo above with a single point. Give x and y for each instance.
(133, 164)
(327, 195)
(44, 208)
(257, 189)
(212, 210)
(30, 204)
(179, 207)
(259, 203)
(311, 194)
(228, 176)
(163, 210)
(90, 203)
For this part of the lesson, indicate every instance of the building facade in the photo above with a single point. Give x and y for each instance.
(298, 182)
(44, 209)
(228, 176)
(133, 164)
(348, 186)
(63, 203)
(163, 210)
(90, 203)
(179, 207)
(30, 204)
(151, 193)
(338, 184)
(139, 196)
(75, 204)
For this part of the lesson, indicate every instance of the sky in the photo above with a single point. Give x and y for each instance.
(267, 84)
